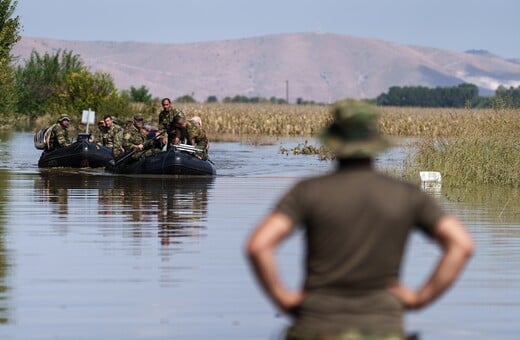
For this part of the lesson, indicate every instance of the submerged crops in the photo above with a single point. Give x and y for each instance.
(468, 146)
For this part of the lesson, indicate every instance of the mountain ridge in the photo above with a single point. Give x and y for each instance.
(322, 67)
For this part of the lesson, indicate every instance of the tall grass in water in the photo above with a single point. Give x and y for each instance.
(480, 148)
(468, 147)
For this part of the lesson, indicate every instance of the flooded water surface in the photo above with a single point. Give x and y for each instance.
(89, 255)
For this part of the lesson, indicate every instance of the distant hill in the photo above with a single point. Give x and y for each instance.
(318, 66)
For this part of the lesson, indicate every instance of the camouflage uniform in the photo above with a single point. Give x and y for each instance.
(59, 137)
(133, 136)
(166, 123)
(100, 134)
(198, 135)
(114, 139)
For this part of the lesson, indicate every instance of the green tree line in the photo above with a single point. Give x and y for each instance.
(462, 95)
(9, 36)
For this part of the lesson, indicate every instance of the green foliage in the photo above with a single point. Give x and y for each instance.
(42, 79)
(9, 36)
(85, 90)
(300, 101)
(482, 148)
(61, 83)
(463, 95)
(507, 97)
(140, 95)
(212, 99)
(254, 100)
(472, 160)
(9, 29)
(185, 99)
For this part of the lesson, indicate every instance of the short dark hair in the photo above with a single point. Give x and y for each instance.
(167, 99)
(177, 119)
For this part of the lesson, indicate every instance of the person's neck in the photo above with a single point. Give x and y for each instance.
(350, 163)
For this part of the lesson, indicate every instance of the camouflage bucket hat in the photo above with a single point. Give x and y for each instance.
(354, 131)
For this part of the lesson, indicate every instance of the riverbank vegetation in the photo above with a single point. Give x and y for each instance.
(479, 147)
(468, 146)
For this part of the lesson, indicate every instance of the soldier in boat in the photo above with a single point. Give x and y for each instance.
(136, 141)
(59, 135)
(166, 118)
(114, 136)
(194, 135)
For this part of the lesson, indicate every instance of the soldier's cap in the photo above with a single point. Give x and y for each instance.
(64, 117)
(354, 130)
(138, 117)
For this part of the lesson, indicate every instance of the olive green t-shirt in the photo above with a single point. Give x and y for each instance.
(357, 222)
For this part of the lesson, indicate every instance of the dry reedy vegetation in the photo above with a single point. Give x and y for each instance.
(468, 147)
(447, 122)
(241, 120)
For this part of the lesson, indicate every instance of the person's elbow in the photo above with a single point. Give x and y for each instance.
(467, 247)
(454, 236)
(253, 248)
(268, 235)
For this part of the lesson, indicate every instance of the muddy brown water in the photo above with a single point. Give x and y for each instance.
(87, 255)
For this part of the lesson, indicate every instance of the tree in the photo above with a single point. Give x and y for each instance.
(463, 95)
(9, 36)
(140, 95)
(42, 78)
(60, 83)
(212, 99)
(85, 90)
(185, 99)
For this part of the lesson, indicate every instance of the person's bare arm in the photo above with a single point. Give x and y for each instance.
(261, 249)
(457, 248)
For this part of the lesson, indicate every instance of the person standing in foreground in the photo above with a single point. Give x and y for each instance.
(356, 222)
(59, 135)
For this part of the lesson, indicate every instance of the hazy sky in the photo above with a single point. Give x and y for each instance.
(449, 24)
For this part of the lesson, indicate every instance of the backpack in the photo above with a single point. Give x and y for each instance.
(42, 138)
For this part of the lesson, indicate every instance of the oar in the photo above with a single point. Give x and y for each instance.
(125, 157)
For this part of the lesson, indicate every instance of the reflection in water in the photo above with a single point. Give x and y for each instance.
(502, 203)
(4, 177)
(176, 207)
(129, 257)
